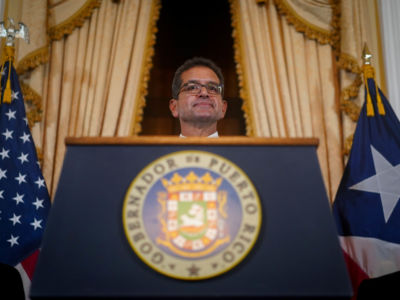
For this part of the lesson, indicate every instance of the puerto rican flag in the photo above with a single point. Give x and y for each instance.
(366, 208)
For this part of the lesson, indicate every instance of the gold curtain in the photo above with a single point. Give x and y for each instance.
(89, 75)
(86, 70)
(286, 52)
(359, 25)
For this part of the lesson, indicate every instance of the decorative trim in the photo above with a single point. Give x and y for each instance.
(348, 63)
(348, 94)
(146, 67)
(76, 20)
(34, 103)
(335, 23)
(349, 107)
(311, 31)
(346, 104)
(39, 155)
(33, 60)
(238, 46)
(347, 144)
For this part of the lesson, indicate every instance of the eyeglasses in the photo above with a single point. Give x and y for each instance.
(194, 88)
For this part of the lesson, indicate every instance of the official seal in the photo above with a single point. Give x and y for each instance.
(191, 215)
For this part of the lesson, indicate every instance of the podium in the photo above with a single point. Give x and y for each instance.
(85, 252)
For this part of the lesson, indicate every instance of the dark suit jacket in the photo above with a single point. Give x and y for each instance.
(11, 286)
(384, 287)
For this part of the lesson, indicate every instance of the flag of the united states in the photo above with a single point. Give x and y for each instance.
(24, 199)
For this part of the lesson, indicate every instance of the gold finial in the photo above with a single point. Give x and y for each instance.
(369, 73)
(366, 55)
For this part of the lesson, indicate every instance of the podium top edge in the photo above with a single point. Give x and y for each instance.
(173, 140)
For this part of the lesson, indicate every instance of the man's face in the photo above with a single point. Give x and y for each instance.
(203, 107)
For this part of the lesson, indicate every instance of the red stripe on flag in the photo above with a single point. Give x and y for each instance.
(29, 264)
(355, 272)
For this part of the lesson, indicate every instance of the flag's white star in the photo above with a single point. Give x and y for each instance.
(13, 240)
(11, 114)
(26, 120)
(15, 219)
(38, 203)
(36, 224)
(3, 72)
(8, 134)
(385, 182)
(1, 194)
(4, 153)
(20, 178)
(40, 182)
(23, 157)
(3, 173)
(25, 137)
(14, 95)
(18, 199)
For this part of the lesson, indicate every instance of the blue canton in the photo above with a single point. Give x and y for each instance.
(24, 199)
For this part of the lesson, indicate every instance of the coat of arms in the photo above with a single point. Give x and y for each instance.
(193, 215)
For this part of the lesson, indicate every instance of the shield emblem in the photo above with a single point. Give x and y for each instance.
(192, 219)
(193, 215)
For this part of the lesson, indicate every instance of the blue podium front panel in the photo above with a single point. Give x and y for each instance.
(85, 251)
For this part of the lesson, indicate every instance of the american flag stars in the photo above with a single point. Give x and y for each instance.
(14, 95)
(8, 134)
(11, 114)
(38, 203)
(4, 154)
(25, 137)
(19, 199)
(20, 178)
(24, 199)
(15, 219)
(13, 240)
(23, 157)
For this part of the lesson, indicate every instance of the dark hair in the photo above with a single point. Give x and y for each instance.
(190, 63)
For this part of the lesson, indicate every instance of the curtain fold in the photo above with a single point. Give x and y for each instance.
(94, 80)
(287, 53)
(298, 62)
(290, 83)
(36, 52)
(359, 27)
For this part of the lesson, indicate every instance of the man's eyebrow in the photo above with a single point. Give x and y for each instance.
(195, 81)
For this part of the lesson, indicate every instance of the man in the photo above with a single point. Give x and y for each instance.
(197, 91)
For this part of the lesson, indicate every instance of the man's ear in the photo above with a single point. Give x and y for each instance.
(173, 103)
(224, 107)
